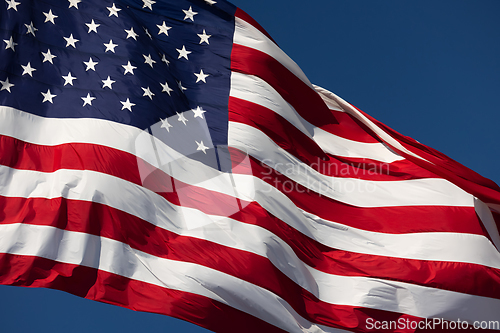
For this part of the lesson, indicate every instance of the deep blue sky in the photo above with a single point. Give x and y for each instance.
(429, 69)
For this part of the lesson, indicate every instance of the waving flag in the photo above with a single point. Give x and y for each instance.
(168, 157)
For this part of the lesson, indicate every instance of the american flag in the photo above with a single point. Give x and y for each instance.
(168, 157)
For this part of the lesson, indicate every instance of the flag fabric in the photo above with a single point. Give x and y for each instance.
(167, 156)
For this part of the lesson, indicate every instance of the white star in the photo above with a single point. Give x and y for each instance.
(10, 44)
(28, 69)
(88, 100)
(201, 77)
(12, 4)
(179, 84)
(148, 60)
(131, 33)
(110, 46)
(92, 26)
(164, 59)
(127, 105)
(113, 10)
(211, 2)
(198, 112)
(189, 14)
(129, 68)
(74, 3)
(204, 37)
(147, 92)
(147, 33)
(201, 146)
(47, 97)
(183, 53)
(90, 64)
(181, 118)
(107, 83)
(148, 3)
(31, 29)
(48, 56)
(50, 17)
(68, 79)
(6, 85)
(163, 29)
(166, 88)
(70, 41)
(165, 124)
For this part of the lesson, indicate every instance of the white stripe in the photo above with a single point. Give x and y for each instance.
(114, 257)
(328, 98)
(247, 35)
(431, 246)
(407, 298)
(340, 146)
(382, 135)
(484, 213)
(356, 192)
(35, 129)
(256, 90)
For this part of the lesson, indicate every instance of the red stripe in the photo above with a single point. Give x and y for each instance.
(496, 217)
(364, 168)
(289, 138)
(140, 296)
(76, 156)
(101, 220)
(302, 97)
(350, 128)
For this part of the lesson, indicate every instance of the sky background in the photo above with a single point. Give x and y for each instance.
(430, 69)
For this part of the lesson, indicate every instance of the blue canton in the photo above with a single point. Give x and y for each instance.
(162, 66)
